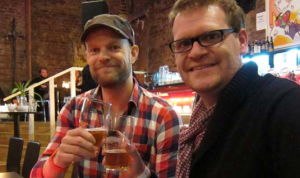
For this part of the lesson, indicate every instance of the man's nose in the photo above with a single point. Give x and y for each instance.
(104, 55)
(197, 50)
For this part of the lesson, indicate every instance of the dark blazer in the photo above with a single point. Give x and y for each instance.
(254, 131)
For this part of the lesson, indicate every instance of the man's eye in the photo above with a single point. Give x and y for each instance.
(115, 47)
(211, 37)
(94, 50)
(183, 44)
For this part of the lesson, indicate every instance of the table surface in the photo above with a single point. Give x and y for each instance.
(9, 175)
(19, 112)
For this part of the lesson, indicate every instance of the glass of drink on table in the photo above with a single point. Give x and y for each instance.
(94, 113)
(120, 132)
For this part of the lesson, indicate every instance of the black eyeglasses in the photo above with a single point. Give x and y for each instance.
(204, 40)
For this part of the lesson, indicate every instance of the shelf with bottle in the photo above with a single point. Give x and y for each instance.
(278, 59)
(284, 63)
(260, 46)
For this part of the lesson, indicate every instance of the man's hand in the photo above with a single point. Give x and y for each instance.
(136, 165)
(75, 146)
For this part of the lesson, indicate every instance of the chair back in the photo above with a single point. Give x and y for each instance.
(2, 96)
(31, 157)
(14, 154)
(44, 106)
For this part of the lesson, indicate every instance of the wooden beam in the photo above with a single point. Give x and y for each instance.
(28, 37)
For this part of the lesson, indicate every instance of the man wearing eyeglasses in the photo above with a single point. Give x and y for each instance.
(243, 125)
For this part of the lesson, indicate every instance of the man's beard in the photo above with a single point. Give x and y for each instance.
(111, 80)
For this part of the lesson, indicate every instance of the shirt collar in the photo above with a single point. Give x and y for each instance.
(133, 101)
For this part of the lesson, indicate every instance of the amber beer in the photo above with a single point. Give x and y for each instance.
(117, 159)
(120, 132)
(99, 135)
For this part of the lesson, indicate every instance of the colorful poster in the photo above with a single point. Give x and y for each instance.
(283, 22)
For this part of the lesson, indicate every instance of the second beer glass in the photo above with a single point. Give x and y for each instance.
(120, 132)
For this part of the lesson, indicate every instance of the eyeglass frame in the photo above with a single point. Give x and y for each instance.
(223, 32)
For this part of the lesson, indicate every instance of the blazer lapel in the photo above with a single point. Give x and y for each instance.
(216, 129)
(230, 101)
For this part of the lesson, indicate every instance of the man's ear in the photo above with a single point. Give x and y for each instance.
(134, 53)
(243, 38)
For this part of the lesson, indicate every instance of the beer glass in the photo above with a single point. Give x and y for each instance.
(120, 132)
(93, 117)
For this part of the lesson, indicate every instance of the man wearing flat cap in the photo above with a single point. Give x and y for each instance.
(111, 51)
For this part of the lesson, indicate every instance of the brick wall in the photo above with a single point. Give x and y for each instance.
(157, 31)
(251, 22)
(160, 35)
(137, 15)
(56, 28)
(150, 22)
(10, 9)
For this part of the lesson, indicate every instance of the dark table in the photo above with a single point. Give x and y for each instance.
(9, 175)
(16, 120)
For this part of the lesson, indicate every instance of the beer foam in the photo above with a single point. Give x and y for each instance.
(116, 151)
(96, 129)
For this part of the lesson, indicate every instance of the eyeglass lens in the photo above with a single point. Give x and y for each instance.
(211, 38)
(204, 40)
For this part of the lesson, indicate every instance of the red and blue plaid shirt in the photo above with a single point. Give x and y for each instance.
(156, 134)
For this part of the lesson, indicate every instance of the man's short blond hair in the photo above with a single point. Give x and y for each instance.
(235, 16)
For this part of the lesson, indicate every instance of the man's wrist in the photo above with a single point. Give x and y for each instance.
(54, 164)
(145, 174)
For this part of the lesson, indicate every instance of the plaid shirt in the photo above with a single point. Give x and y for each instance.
(156, 133)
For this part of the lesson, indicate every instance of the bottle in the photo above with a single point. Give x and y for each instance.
(252, 48)
(255, 47)
(271, 45)
(267, 44)
(293, 76)
(263, 46)
(259, 46)
(249, 49)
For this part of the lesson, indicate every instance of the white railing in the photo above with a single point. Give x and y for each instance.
(51, 98)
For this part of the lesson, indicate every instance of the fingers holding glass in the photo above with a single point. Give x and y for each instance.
(93, 117)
